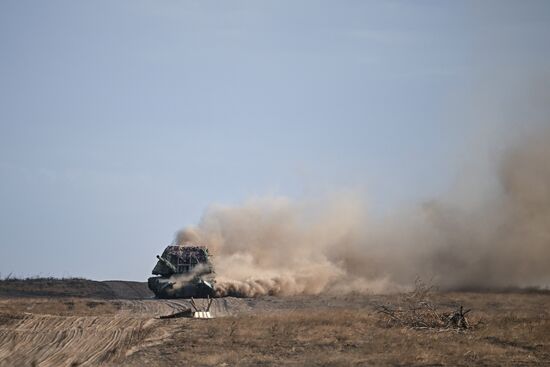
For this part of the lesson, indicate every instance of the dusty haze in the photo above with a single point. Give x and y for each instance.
(274, 245)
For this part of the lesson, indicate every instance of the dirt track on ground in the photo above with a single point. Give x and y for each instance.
(59, 340)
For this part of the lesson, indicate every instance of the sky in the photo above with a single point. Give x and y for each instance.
(122, 121)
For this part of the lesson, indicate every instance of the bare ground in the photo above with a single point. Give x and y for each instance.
(511, 329)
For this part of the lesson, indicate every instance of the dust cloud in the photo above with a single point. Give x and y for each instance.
(278, 246)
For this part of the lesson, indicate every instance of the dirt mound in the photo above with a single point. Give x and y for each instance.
(128, 289)
(73, 287)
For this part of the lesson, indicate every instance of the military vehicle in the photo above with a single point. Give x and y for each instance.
(183, 272)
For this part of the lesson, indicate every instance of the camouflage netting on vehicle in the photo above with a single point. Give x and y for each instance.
(183, 272)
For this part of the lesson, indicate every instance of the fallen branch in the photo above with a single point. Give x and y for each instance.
(419, 312)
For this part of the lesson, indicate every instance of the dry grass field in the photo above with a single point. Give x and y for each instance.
(507, 329)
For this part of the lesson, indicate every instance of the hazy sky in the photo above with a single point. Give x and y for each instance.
(121, 121)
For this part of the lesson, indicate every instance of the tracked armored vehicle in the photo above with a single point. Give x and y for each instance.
(183, 272)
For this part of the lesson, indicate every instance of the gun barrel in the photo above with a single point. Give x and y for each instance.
(167, 263)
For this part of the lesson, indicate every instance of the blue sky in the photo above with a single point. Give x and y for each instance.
(121, 121)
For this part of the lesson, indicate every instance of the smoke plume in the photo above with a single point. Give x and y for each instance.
(277, 246)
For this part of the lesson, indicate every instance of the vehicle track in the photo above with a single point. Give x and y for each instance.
(52, 340)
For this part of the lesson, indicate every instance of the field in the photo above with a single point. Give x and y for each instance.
(59, 323)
